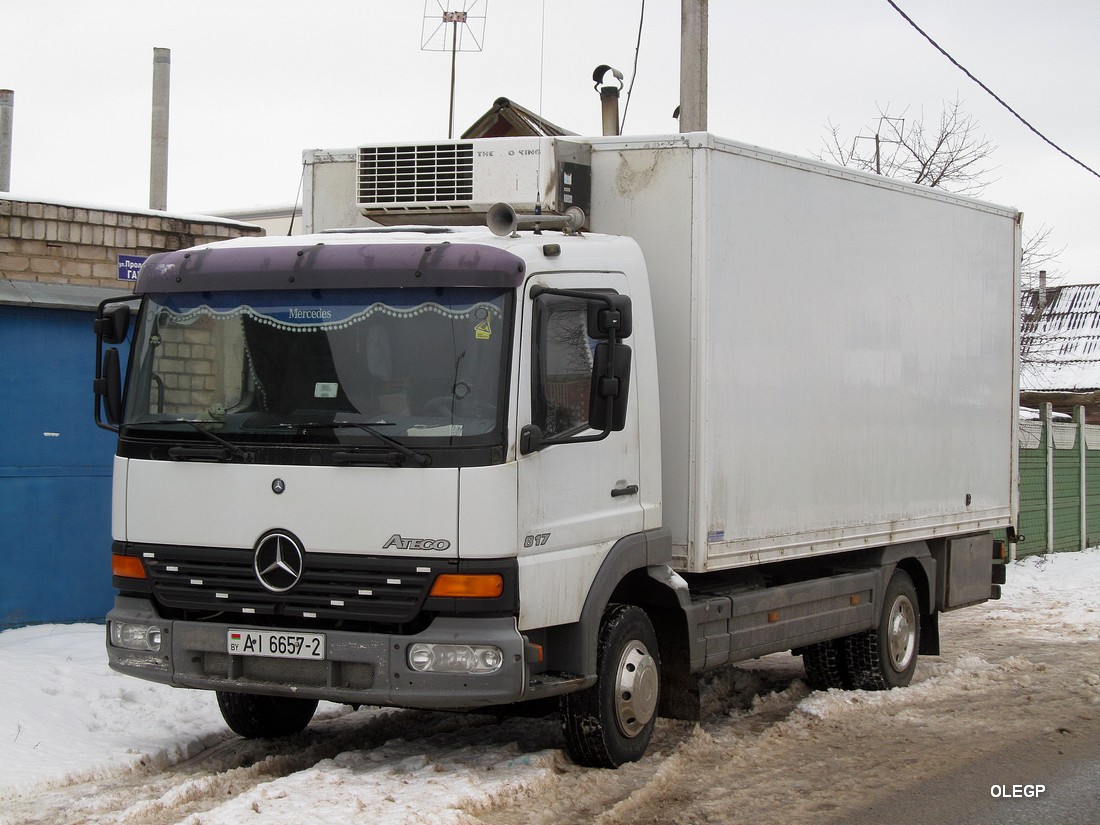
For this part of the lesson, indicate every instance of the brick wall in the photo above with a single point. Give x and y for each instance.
(59, 244)
(188, 365)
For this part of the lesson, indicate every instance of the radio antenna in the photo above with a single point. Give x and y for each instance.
(446, 29)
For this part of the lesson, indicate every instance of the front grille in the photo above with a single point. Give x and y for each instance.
(340, 587)
(395, 175)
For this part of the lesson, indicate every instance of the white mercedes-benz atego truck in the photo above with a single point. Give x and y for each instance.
(683, 402)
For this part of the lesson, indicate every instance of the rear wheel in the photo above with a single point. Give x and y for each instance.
(826, 665)
(265, 717)
(612, 722)
(886, 657)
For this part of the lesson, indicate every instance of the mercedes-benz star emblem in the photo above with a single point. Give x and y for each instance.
(279, 562)
(278, 486)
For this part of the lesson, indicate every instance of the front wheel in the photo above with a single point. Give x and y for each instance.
(886, 657)
(612, 722)
(265, 717)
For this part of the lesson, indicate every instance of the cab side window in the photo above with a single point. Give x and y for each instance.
(563, 365)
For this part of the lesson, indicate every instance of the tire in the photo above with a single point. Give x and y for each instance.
(886, 657)
(826, 665)
(612, 722)
(265, 717)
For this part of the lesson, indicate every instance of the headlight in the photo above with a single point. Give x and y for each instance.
(136, 636)
(434, 658)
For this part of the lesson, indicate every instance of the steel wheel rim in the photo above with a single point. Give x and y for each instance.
(901, 633)
(636, 683)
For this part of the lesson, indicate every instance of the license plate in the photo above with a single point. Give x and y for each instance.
(277, 644)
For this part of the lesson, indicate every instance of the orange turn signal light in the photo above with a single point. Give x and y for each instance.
(129, 567)
(474, 586)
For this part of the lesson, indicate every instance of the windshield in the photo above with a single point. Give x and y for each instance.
(427, 366)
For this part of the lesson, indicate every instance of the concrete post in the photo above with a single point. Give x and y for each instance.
(158, 152)
(693, 65)
(7, 113)
(1047, 412)
(1082, 455)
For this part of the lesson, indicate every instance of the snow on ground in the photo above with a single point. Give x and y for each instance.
(66, 718)
(64, 715)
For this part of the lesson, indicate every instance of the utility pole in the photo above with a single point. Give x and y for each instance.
(693, 65)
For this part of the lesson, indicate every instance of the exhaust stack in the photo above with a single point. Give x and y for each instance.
(609, 97)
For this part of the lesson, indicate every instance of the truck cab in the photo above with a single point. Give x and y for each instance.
(382, 467)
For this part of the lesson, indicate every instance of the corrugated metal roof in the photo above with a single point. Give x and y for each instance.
(1061, 339)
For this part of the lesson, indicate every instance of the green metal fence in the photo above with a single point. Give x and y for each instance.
(1059, 484)
(1033, 488)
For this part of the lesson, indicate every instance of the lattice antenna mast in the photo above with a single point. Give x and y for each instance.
(897, 125)
(453, 30)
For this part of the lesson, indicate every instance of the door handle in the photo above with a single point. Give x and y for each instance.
(629, 490)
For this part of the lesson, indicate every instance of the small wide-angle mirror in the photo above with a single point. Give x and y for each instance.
(602, 320)
(113, 323)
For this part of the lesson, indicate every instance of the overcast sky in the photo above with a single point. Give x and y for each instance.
(255, 82)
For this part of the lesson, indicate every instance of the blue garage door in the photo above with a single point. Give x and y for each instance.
(55, 471)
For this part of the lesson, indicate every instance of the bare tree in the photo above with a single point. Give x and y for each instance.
(1039, 288)
(952, 154)
(1038, 254)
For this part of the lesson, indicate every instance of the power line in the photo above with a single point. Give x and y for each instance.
(989, 91)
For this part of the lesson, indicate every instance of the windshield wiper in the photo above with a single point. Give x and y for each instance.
(421, 459)
(227, 448)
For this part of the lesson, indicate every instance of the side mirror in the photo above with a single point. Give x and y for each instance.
(603, 320)
(610, 387)
(113, 323)
(108, 387)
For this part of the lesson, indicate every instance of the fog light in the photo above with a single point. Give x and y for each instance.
(420, 657)
(435, 658)
(491, 658)
(136, 636)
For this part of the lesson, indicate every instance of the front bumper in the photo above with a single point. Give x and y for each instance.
(359, 668)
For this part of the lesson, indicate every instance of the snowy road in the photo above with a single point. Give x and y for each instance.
(1013, 701)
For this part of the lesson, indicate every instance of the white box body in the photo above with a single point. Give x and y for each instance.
(836, 351)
